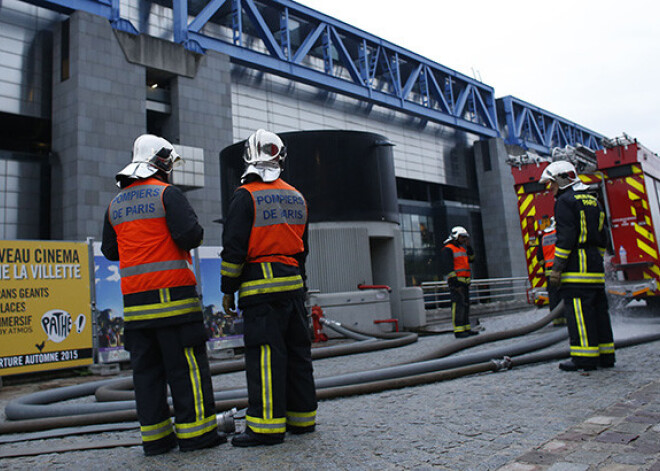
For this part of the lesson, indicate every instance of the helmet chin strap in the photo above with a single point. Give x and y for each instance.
(267, 173)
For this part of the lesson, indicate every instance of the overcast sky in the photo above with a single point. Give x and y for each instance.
(596, 63)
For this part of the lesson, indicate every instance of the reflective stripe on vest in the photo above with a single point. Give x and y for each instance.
(149, 259)
(280, 215)
(270, 286)
(162, 310)
(153, 267)
(461, 261)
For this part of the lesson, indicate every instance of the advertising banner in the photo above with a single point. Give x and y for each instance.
(45, 309)
(223, 331)
(109, 309)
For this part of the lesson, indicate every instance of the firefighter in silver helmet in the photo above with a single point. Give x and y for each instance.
(150, 229)
(263, 260)
(578, 268)
(455, 258)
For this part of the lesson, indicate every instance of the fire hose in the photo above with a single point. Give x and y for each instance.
(40, 406)
(348, 384)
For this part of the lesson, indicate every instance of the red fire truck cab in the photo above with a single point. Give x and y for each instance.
(626, 177)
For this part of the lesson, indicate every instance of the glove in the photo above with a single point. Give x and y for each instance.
(229, 305)
(555, 278)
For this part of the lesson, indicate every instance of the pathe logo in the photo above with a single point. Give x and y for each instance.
(57, 324)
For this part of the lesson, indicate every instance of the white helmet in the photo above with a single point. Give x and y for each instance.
(562, 172)
(264, 155)
(552, 226)
(150, 154)
(456, 232)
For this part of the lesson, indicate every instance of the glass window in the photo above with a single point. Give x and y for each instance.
(417, 240)
(407, 240)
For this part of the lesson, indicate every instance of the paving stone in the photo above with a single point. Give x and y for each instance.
(632, 427)
(555, 446)
(563, 466)
(574, 436)
(585, 457)
(617, 411)
(643, 419)
(649, 447)
(538, 457)
(616, 437)
(618, 467)
(630, 458)
(519, 467)
(600, 420)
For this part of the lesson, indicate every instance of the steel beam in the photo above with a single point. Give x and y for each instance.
(353, 62)
(531, 127)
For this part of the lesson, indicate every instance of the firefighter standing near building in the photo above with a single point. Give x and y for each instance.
(263, 258)
(578, 268)
(547, 257)
(455, 259)
(150, 228)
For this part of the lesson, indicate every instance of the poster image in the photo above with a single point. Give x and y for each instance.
(45, 306)
(109, 315)
(223, 331)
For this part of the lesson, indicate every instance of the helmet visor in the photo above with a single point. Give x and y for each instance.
(165, 159)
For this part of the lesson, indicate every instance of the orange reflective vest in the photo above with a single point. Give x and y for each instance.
(548, 242)
(149, 259)
(461, 261)
(280, 215)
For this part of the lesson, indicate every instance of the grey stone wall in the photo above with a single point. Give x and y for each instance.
(101, 108)
(505, 252)
(97, 113)
(205, 120)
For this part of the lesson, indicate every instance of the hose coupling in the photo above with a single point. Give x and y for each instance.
(502, 364)
(226, 421)
(329, 322)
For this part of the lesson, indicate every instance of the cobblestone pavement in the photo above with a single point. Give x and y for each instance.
(530, 418)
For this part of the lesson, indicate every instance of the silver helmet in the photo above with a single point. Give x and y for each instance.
(264, 155)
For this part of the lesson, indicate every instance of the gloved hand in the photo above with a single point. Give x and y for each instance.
(229, 305)
(555, 278)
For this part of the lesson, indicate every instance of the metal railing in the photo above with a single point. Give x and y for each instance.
(488, 290)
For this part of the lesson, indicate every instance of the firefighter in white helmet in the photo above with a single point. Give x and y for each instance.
(263, 259)
(150, 229)
(455, 258)
(578, 268)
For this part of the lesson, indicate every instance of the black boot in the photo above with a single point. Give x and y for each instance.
(461, 335)
(159, 447)
(300, 430)
(250, 438)
(213, 440)
(570, 365)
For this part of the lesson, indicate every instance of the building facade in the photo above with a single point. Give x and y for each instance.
(75, 92)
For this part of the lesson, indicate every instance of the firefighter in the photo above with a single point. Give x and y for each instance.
(578, 268)
(263, 259)
(150, 228)
(547, 257)
(455, 258)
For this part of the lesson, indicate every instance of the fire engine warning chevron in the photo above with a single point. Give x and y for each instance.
(45, 307)
(625, 177)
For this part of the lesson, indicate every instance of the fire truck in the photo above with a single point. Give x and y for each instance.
(626, 178)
